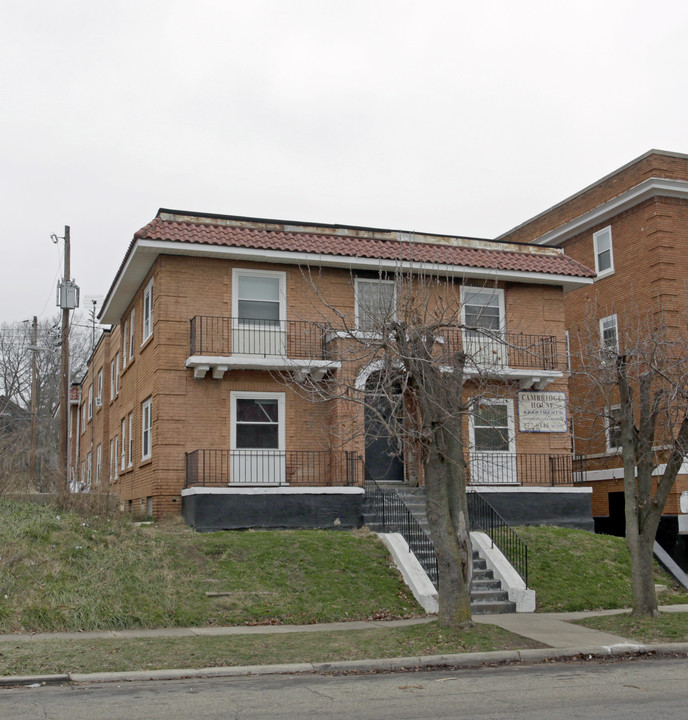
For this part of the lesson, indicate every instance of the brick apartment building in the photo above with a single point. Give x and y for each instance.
(632, 228)
(185, 396)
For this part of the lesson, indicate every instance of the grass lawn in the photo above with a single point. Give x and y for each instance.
(62, 571)
(60, 656)
(576, 570)
(668, 627)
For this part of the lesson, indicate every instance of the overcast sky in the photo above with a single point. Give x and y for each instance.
(448, 116)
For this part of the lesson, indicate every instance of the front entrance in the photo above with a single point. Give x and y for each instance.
(493, 443)
(383, 452)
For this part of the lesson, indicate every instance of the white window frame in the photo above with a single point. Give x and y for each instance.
(605, 324)
(99, 394)
(608, 425)
(110, 475)
(596, 240)
(469, 291)
(99, 463)
(123, 450)
(371, 281)
(116, 458)
(281, 276)
(235, 395)
(125, 338)
(90, 401)
(511, 423)
(147, 429)
(147, 319)
(130, 446)
(89, 468)
(132, 329)
(112, 380)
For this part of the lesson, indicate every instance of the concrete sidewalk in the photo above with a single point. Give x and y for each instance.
(554, 630)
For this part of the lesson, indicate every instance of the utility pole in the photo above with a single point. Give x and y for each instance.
(67, 299)
(34, 385)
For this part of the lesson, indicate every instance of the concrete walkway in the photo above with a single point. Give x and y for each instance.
(552, 629)
(555, 630)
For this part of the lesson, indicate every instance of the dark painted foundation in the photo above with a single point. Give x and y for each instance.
(563, 509)
(210, 512)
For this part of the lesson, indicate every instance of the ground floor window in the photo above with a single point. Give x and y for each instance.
(146, 428)
(257, 438)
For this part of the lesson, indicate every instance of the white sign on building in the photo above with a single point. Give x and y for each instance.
(542, 412)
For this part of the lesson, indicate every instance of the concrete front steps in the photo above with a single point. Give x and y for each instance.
(487, 595)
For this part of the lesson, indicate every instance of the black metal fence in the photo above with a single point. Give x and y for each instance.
(505, 349)
(502, 468)
(273, 467)
(238, 336)
(485, 518)
(391, 512)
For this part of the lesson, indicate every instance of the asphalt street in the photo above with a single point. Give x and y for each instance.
(622, 689)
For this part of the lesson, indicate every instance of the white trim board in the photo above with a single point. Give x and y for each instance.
(272, 491)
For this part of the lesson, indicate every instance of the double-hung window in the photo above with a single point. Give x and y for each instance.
(146, 428)
(123, 456)
(147, 324)
(613, 428)
(130, 451)
(90, 402)
(99, 462)
(125, 338)
(115, 458)
(609, 338)
(99, 392)
(131, 335)
(604, 255)
(259, 302)
(375, 304)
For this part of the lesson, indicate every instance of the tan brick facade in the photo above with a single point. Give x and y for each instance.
(192, 407)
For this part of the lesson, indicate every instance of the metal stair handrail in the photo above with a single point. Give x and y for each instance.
(485, 518)
(395, 516)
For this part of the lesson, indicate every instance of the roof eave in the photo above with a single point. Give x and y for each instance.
(143, 254)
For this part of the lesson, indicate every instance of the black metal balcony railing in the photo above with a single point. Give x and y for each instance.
(233, 336)
(485, 518)
(394, 516)
(502, 349)
(502, 468)
(273, 467)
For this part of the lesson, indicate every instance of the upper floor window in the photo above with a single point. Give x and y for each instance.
(125, 337)
(99, 388)
(375, 303)
(483, 309)
(147, 326)
(259, 297)
(90, 402)
(609, 336)
(131, 335)
(604, 256)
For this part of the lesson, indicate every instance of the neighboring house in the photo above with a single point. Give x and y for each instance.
(207, 313)
(632, 227)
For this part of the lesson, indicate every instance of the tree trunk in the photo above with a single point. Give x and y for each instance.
(447, 512)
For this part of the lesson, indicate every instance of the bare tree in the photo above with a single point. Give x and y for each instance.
(16, 355)
(631, 382)
(416, 364)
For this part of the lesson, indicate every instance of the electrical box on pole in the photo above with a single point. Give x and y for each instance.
(67, 295)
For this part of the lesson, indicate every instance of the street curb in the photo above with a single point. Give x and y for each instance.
(457, 661)
(6, 680)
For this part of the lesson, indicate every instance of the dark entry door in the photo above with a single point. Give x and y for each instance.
(382, 453)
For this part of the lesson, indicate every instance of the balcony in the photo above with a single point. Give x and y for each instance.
(220, 344)
(520, 469)
(273, 468)
(533, 360)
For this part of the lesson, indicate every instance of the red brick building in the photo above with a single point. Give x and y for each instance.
(632, 228)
